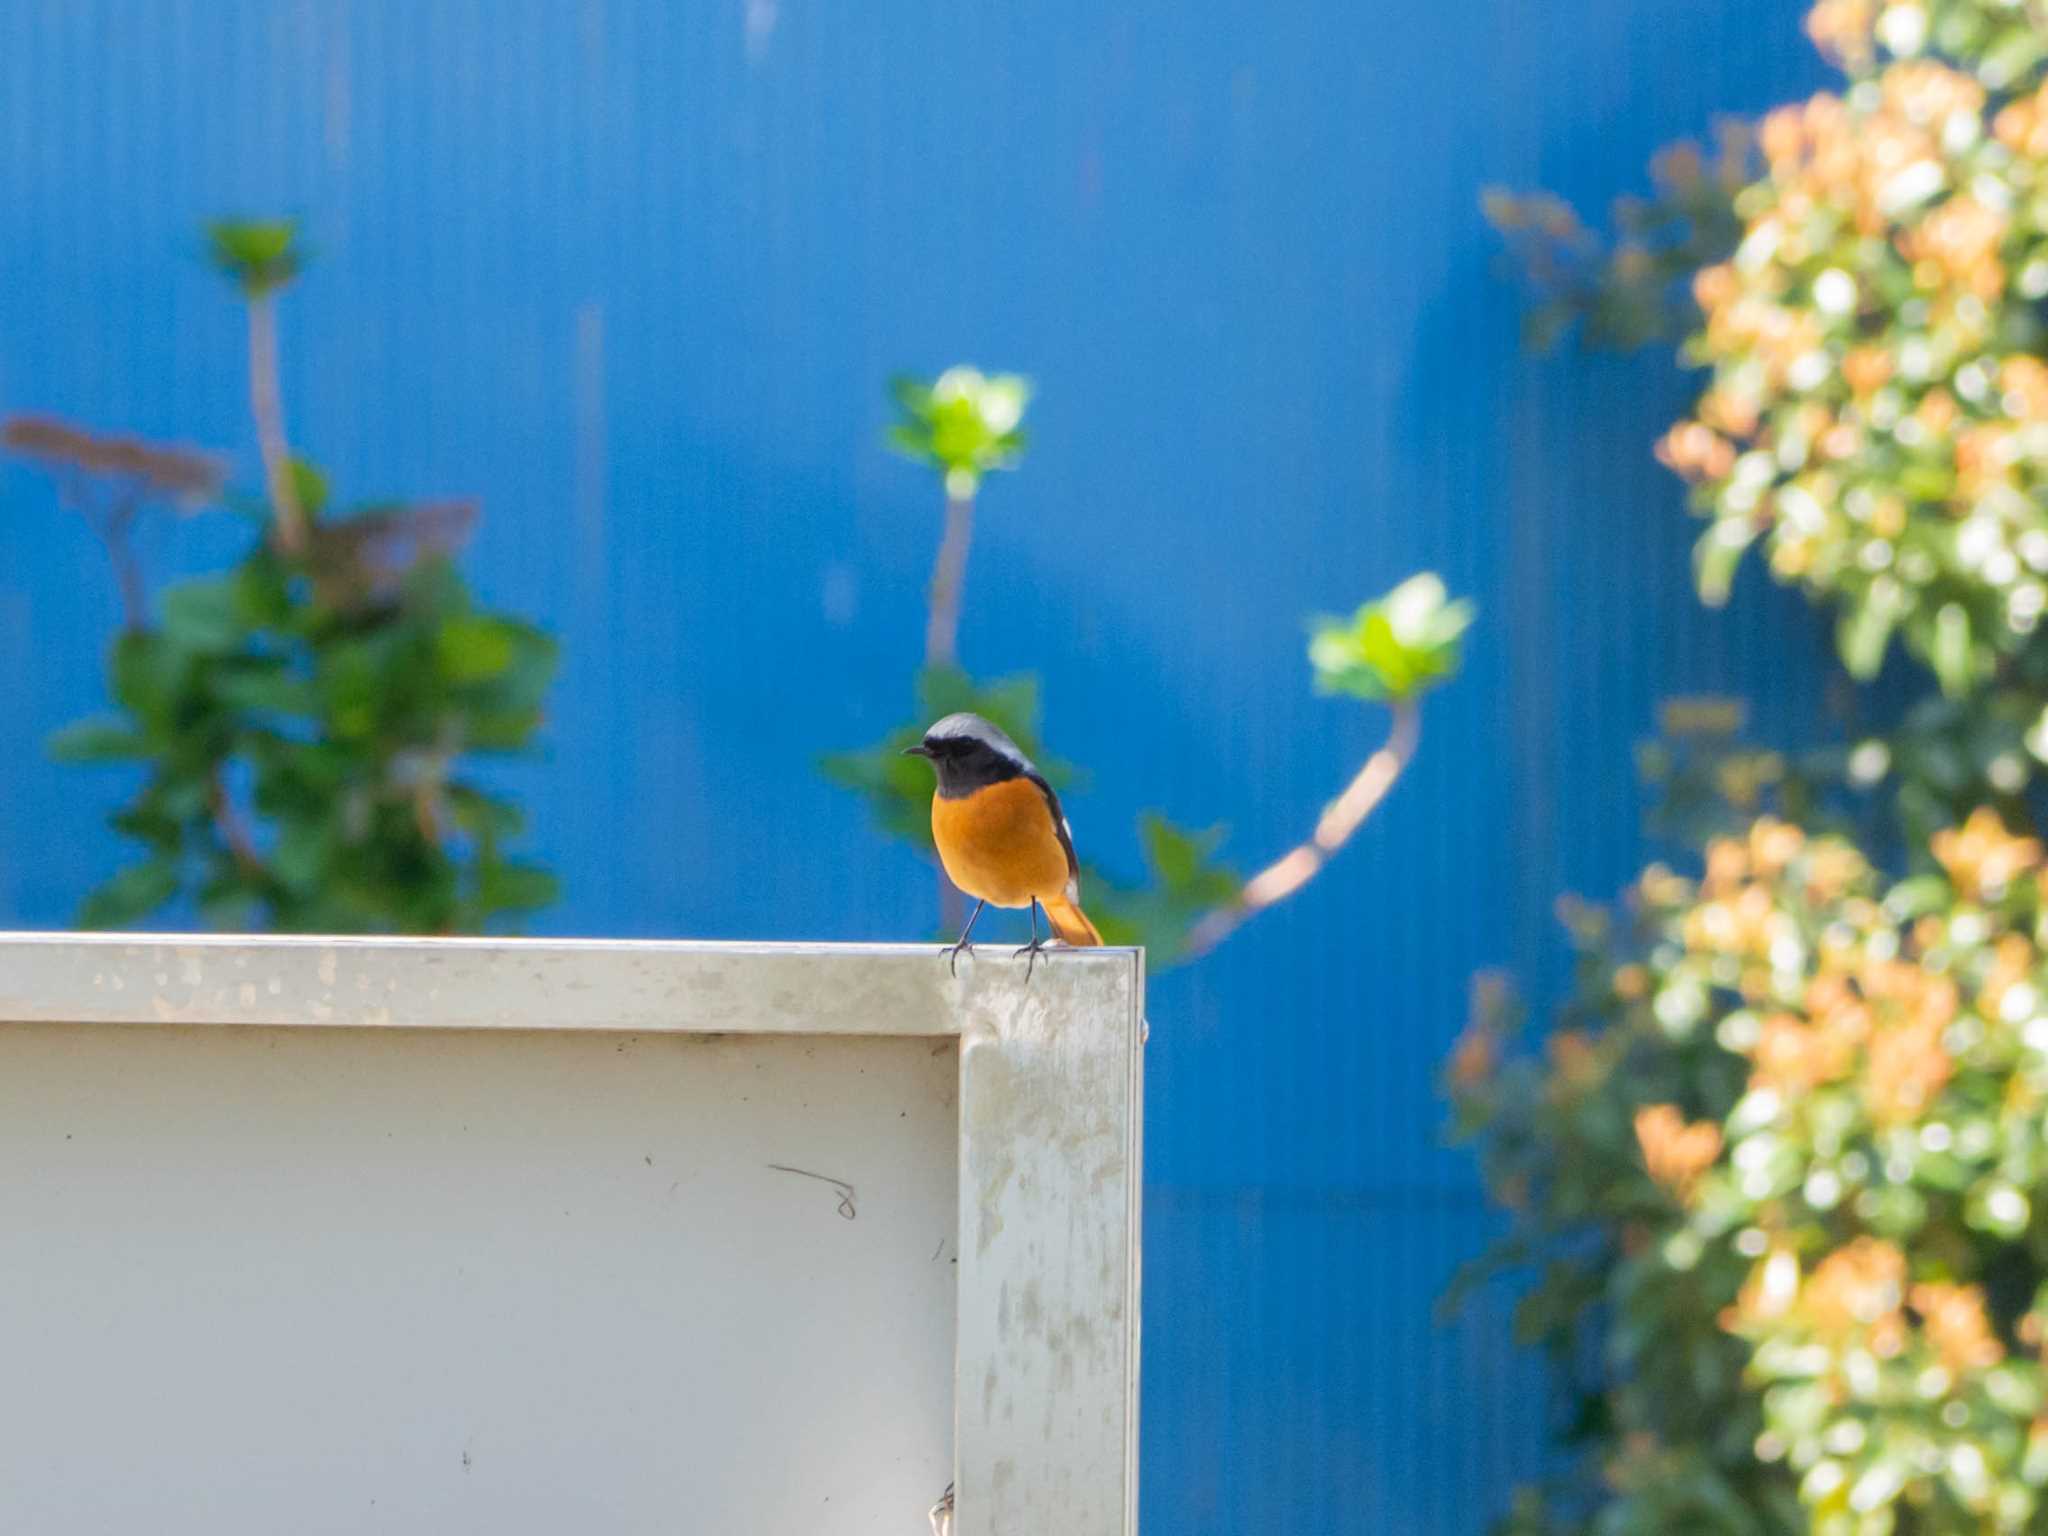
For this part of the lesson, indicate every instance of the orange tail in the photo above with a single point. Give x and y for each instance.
(1070, 924)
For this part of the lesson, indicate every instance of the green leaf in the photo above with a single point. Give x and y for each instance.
(1866, 628)
(2000, 1209)
(500, 730)
(97, 741)
(1184, 882)
(473, 649)
(309, 484)
(1393, 648)
(131, 895)
(204, 616)
(305, 847)
(512, 887)
(231, 905)
(531, 671)
(265, 686)
(1184, 862)
(147, 671)
(259, 254)
(1951, 653)
(262, 594)
(964, 423)
(1716, 557)
(483, 815)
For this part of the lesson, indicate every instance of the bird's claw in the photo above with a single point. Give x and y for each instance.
(1034, 949)
(952, 954)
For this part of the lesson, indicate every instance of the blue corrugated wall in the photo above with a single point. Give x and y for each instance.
(633, 272)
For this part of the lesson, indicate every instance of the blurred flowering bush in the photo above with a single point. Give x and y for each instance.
(1783, 1154)
(1779, 1167)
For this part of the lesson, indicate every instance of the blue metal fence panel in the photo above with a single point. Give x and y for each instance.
(633, 272)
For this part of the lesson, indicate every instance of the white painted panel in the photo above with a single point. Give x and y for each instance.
(256, 1280)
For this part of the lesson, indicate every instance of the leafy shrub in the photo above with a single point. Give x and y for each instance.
(305, 720)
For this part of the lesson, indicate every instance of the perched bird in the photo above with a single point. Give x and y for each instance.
(1001, 833)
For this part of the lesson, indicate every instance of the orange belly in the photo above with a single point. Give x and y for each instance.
(999, 844)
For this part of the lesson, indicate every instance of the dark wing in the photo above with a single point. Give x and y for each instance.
(1059, 821)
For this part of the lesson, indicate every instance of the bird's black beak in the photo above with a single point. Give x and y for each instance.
(920, 750)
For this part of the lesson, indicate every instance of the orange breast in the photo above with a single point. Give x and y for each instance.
(999, 844)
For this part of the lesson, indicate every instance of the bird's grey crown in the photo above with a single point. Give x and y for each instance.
(971, 727)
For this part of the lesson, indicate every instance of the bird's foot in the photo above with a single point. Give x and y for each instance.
(952, 954)
(1034, 949)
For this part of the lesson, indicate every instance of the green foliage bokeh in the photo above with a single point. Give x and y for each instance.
(308, 723)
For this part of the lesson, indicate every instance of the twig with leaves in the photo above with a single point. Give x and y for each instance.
(1629, 289)
(964, 424)
(1390, 651)
(262, 256)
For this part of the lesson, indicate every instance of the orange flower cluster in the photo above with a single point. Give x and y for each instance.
(1764, 853)
(2013, 959)
(1474, 1056)
(1676, 1153)
(1743, 924)
(1857, 1291)
(1575, 1060)
(1842, 29)
(1982, 857)
(1929, 94)
(1956, 248)
(1864, 1015)
(1909, 1065)
(1775, 336)
(1855, 1296)
(1793, 1057)
(1893, 1013)
(2023, 383)
(1859, 342)
(1822, 153)
(1696, 451)
(2022, 127)
(1954, 1320)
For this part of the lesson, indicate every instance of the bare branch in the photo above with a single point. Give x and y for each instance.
(234, 831)
(942, 637)
(267, 406)
(117, 532)
(949, 580)
(1343, 817)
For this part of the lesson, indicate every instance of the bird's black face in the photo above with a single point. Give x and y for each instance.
(963, 764)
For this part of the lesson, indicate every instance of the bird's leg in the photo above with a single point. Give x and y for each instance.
(1036, 946)
(952, 951)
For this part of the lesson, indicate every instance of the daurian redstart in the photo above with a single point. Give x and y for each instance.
(1001, 834)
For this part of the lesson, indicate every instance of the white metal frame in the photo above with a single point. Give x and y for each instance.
(1051, 1106)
